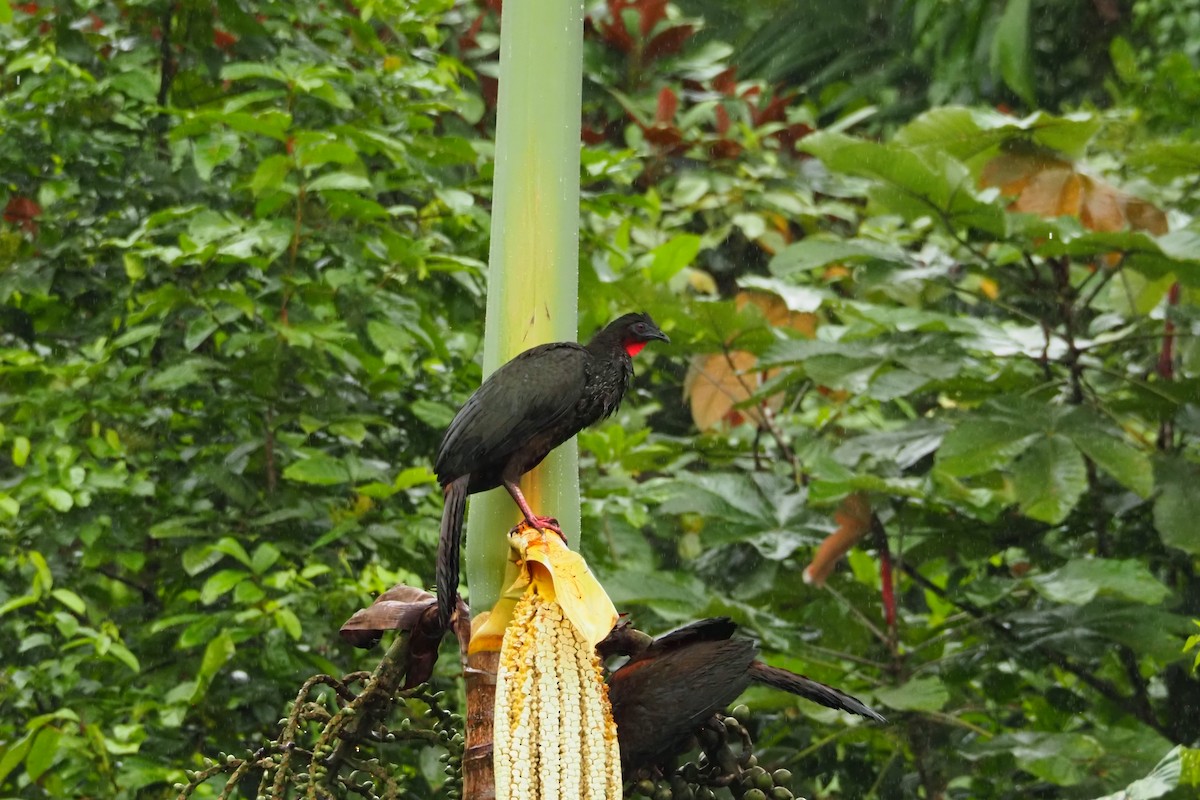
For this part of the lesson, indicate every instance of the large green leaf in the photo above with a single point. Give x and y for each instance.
(1012, 50)
(980, 444)
(813, 252)
(970, 132)
(318, 469)
(1162, 779)
(1049, 478)
(1081, 580)
(213, 150)
(1106, 446)
(1063, 759)
(912, 183)
(918, 694)
(1177, 508)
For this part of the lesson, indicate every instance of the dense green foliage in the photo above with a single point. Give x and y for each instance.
(241, 291)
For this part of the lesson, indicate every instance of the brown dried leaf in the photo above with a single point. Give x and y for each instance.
(777, 312)
(1050, 187)
(399, 608)
(718, 382)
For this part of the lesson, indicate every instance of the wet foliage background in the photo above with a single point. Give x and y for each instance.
(936, 259)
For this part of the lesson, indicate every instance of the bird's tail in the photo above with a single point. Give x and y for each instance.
(448, 548)
(811, 690)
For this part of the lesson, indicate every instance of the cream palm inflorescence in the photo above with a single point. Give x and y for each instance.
(554, 735)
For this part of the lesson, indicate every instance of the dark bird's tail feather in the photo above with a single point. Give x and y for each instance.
(811, 690)
(449, 542)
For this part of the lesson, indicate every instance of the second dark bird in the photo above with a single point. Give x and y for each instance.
(525, 409)
(672, 684)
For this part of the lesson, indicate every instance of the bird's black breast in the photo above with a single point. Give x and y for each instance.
(525, 409)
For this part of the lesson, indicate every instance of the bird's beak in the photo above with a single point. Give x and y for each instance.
(657, 334)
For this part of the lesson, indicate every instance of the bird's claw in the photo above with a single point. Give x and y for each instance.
(540, 523)
(546, 524)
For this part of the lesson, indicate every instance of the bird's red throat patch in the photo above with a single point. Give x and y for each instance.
(633, 348)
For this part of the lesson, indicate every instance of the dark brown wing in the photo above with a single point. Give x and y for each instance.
(533, 397)
(713, 629)
(658, 703)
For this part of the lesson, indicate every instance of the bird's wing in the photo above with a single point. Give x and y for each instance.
(529, 395)
(712, 629)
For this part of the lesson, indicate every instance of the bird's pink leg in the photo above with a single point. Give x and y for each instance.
(539, 522)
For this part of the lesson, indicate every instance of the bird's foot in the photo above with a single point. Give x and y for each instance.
(546, 524)
(540, 523)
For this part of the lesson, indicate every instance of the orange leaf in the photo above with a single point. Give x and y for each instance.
(853, 519)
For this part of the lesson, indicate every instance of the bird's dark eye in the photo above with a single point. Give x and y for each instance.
(639, 328)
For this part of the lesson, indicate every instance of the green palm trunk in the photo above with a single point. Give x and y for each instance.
(533, 265)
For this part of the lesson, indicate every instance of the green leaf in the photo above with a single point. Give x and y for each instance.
(265, 556)
(1124, 60)
(813, 252)
(912, 183)
(318, 469)
(232, 547)
(212, 150)
(979, 445)
(6, 15)
(248, 593)
(1177, 509)
(58, 499)
(1081, 580)
(70, 600)
(124, 655)
(1163, 778)
(326, 153)
(137, 333)
(1128, 465)
(9, 505)
(1049, 478)
(672, 256)
(1064, 759)
(290, 623)
(216, 654)
(14, 754)
(242, 71)
(339, 180)
(221, 583)
(413, 476)
(919, 694)
(270, 174)
(435, 415)
(1011, 50)
(967, 133)
(1106, 446)
(353, 430)
(177, 376)
(198, 331)
(20, 451)
(268, 122)
(42, 752)
(1189, 762)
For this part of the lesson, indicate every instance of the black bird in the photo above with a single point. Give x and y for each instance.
(673, 684)
(525, 409)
